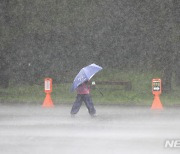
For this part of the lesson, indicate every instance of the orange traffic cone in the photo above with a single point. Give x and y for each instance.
(48, 101)
(156, 103)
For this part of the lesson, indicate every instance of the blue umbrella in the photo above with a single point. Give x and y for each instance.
(85, 74)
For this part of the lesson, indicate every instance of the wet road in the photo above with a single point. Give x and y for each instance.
(31, 129)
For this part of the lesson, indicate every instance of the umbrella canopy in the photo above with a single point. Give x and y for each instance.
(85, 74)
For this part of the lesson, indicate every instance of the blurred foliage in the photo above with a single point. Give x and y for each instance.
(139, 95)
(56, 38)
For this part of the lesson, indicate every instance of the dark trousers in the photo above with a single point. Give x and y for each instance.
(86, 98)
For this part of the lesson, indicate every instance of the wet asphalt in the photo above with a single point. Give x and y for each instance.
(31, 129)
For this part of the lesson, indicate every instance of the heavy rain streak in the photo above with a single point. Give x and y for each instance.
(89, 76)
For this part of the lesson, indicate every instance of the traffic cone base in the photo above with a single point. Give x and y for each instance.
(48, 101)
(156, 103)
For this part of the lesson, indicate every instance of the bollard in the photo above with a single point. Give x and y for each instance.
(156, 90)
(48, 89)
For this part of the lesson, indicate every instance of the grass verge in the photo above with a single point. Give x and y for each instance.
(139, 95)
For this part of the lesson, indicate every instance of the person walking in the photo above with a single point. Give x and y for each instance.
(83, 95)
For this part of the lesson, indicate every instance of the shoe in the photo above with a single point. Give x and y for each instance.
(72, 115)
(93, 115)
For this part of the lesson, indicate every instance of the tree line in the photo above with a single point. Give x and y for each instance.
(56, 38)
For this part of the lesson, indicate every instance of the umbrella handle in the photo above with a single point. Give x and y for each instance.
(94, 84)
(99, 91)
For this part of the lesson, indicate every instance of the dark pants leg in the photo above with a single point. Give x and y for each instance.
(89, 104)
(77, 104)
